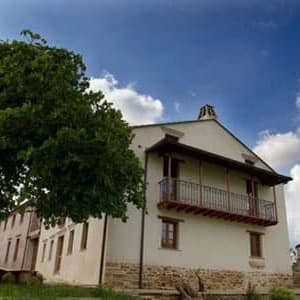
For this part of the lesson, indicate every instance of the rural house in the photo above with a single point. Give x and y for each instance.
(19, 238)
(213, 208)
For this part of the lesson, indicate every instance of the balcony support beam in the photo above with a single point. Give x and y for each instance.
(228, 188)
(275, 203)
(253, 197)
(169, 186)
(200, 182)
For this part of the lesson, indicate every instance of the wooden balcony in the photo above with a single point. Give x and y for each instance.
(213, 202)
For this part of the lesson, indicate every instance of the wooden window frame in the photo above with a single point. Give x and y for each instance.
(256, 244)
(16, 251)
(84, 236)
(175, 224)
(71, 242)
(7, 251)
(44, 252)
(13, 221)
(51, 250)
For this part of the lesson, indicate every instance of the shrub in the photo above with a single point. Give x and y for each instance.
(8, 278)
(251, 293)
(281, 293)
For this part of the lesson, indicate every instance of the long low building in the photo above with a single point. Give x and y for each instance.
(213, 208)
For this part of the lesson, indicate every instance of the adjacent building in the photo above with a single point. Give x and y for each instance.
(19, 238)
(213, 207)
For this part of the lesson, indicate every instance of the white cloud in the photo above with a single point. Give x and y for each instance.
(177, 106)
(293, 205)
(136, 108)
(282, 150)
(278, 149)
(298, 101)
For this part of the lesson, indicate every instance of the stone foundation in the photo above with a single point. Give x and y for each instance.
(125, 276)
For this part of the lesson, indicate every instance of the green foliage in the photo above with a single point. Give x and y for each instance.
(281, 293)
(62, 149)
(251, 293)
(42, 292)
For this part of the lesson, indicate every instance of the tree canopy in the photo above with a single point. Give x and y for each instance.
(63, 149)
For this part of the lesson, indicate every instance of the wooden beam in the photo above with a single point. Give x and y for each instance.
(228, 189)
(275, 203)
(200, 182)
(169, 177)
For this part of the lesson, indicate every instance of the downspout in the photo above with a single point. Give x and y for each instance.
(143, 226)
(26, 241)
(103, 251)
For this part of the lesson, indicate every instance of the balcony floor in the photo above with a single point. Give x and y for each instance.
(214, 213)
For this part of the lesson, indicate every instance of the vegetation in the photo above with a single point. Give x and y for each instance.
(281, 293)
(251, 293)
(41, 292)
(63, 149)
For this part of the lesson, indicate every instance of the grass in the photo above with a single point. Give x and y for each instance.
(43, 292)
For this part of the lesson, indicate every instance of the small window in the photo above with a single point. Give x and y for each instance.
(71, 241)
(5, 223)
(16, 249)
(51, 249)
(7, 251)
(255, 244)
(13, 220)
(44, 251)
(169, 234)
(84, 236)
(249, 162)
(21, 218)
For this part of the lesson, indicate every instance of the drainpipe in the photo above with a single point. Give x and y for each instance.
(143, 226)
(102, 259)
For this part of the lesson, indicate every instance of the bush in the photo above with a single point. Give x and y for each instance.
(8, 278)
(251, 293)
(281, 293)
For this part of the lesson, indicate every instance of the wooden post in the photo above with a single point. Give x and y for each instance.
(200, 183)
(169, 177)
(253, 197)
(275, 203)
(228, 189)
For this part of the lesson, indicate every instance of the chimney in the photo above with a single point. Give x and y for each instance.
(207, 112)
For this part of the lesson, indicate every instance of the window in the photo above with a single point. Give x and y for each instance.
(249, 162)
(84, 236)
(255, 244)
(71, 241)
(16, 249)
(13, 220)
(44, 251)
(51, 249)
(5, 223)
(169, 234)
(7, 251)
(59, 251)
(21, 218)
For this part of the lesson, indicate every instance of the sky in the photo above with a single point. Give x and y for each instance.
(161, 60)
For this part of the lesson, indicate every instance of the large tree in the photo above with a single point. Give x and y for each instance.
(64, 150)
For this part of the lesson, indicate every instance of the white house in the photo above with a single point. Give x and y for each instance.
(213, 206)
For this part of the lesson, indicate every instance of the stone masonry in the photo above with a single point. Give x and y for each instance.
(125, 276)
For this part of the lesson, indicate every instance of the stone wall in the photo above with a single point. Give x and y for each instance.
(125, 276)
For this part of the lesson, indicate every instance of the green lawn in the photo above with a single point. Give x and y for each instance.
(42, 292)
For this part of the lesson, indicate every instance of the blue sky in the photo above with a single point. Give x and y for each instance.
(243, 57)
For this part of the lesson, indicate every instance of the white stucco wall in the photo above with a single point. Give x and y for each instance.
(82, 266)
(203, 242)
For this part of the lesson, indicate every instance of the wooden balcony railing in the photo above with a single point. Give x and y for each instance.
(211, 201)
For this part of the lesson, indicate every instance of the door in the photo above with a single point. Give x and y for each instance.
(252, 192)
(173, 188)
(34, 245)
(58, 256)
